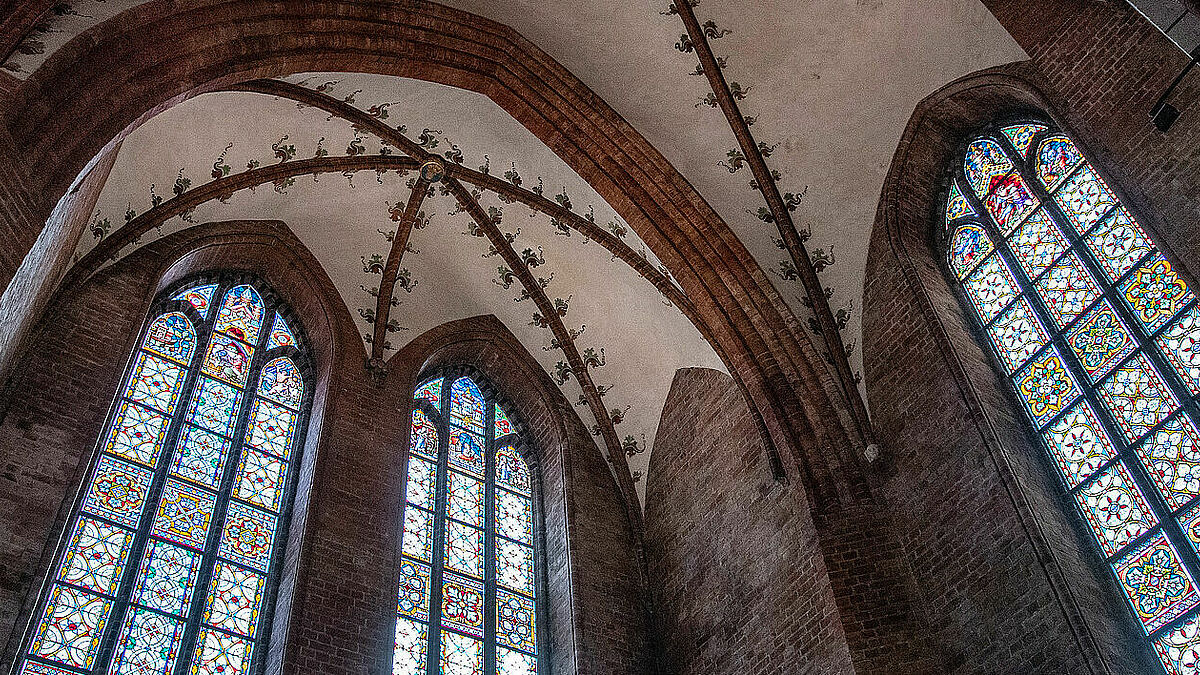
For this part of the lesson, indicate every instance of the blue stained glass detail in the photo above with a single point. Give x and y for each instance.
(171, 335)
(280, 381)
(466, 405)
(167, 578)
(118, 491)
(214, 406)
(466, 451)
(200, 297)
(281, 334)
(241, 314)
(200, 457)
(148, 645)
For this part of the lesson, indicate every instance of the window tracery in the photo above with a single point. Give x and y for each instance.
(1100, 339)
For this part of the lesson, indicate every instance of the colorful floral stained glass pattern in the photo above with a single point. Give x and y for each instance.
(221, 654)
(422, 482)
(234, 599)
(260, 479)
(991, 288)
(1021, 135)
(511, 470)
(1179, 649)
(1068, 288)
(464, 499)
(462, 604)
(96, 556)
(248, 536)
(155, 383)
(1017, 334)
(501, 426)
(1079, 444)
(1156, 584)
(241, 314)
(431, 391)
(514, 517)
(1115, 508)
(271, 428)
(148, 645)
(1100, 340)
(1154, 293)
(956, 205)
(118, 491)
(515, 623)
(167, 578)
(463, 550)
(514, 566)
(414, 590)
(1085, 199)
(280, 381)
(200, 457)
(1137, 397)
(1010, 201)
(137, 434)
(281, 334)
(466, 451)
(1056, 157)
(33, 668)
(228, 359)
(985, 165)
(509, 662)
(424, 435)
(199, 297)
(1189, 520)
(214, 406)
(1180, 343)
(1118, 244)
(184, 514)
(418, 534)
(1172, 457)
(171, 335)
(411, 644)
(71, 627)
(1046, 387)
(969, 245)
(1037, 244)
(466, 405)
(461, 655)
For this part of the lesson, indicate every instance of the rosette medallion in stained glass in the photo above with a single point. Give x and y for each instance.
(991, 288)
(414, 590)
(167, 578)
(118, 491)
(1155, 293)
(1117, 244)
(1115, 508)
(1172, 456)
(1045, 386)
(1017, 334)
(1037, 244)
(96, 556)
(1085, 199)
(462, 604)
(1156, 584)
(248, 536)
(1180, 343)
(184, 514)
(1100, 340)
(1179, 649)
(515, 623)
(1137, 397)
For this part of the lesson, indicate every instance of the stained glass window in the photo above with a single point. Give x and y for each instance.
(467, 601)
(1100, 337)
(169, 565)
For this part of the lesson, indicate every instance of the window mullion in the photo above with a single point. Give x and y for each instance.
(437, 550)
(489, 539)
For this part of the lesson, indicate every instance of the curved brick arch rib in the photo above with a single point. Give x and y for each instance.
(968, 446)
(214, 44)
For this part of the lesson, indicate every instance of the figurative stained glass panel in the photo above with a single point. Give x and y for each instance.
(1172, 457)
(71, 627)
(514, 517)
(463, 549)
(281, 334)
(1115, 508)
(220, 654)
(985, 165)
(200, 457)
(431, 391)
(424, 435)
(1017, 334)
(199, 297)
(462, 604)
(509, 662)
(956, 205)
(214, 406)
(414, 590)
(234, 599)
(1085, 199)
(248, 536)
(1155, 582)
(411, 642)
(464, 499)
(241, 314)
(1021, 135)
(118, 491)
(421, 482)
(501, 426)
(515, 623)
(271, 428)
(1180, 343)
(1037, 244)
(969, 245)
(148, 645)
(991, 287)
(466, 451)
(260, 479)
(96, 556)
(1118, 244)
(167, 578)
(155, 383)
(1155, 293)
(461, 655)
(280, 381)
(466, 405)
(1179, 649)
(1056, 158)
(1068, 288)
(418, 534)
(137, 434)
(1100, 340)
(1137, 397)
(171, 335)
(184, 514)
(511, 470)
(514, 566)
(228, 359)
(1079, 444)
(1010, 201)
(1045, 386)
